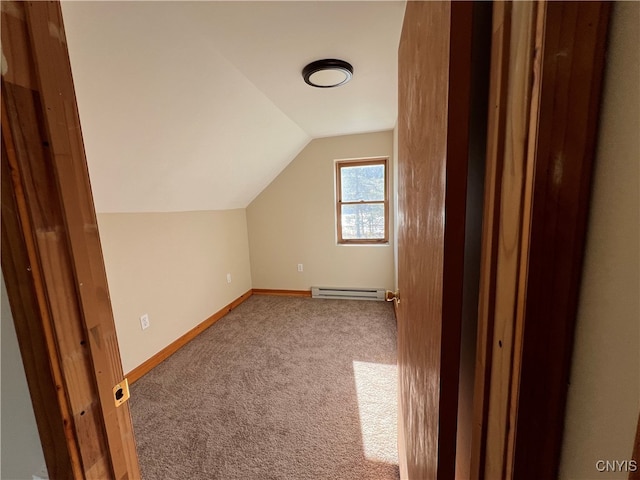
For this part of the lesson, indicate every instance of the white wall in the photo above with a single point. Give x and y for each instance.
(604, 393)
(172, 266)
(20, 448)
(293, 221)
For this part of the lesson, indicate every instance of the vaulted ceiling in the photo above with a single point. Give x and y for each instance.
(199, 105)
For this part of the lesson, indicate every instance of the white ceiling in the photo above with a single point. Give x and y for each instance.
(199, 105)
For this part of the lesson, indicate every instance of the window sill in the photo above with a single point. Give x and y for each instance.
(380, 244)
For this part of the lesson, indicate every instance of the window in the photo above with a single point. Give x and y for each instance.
(362, 203)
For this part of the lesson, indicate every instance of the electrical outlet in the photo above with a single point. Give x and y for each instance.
(144, 321)
(228, 278)
(300, 267)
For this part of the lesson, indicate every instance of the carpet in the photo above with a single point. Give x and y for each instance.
(280, 388)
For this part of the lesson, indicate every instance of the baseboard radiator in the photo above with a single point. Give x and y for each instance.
(348, 293)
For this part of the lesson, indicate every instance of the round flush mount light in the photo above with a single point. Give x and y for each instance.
(327, 73)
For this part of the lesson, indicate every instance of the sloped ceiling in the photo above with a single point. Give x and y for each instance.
(199, 105)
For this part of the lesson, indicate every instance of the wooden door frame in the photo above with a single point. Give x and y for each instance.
(546, 75)
(52, 259)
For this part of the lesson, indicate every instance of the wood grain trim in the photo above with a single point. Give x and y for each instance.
(32, 321)
(282, 293)
(145, 367)
(240, 300)
(51, 186)
(502, 283)
(458, 121)
(510, 285)
(80, 238)
(529, 292)
(535, 23)
(572, 64)
(75, 266)
(496, 130)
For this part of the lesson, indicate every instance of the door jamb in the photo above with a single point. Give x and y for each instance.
(54, 269)
(530, 279)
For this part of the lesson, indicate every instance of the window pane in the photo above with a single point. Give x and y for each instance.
(362, 183)
(363, 222)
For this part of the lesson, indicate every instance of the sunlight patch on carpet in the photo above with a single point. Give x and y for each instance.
(376, 387)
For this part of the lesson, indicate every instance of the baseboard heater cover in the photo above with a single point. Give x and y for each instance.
(348, 293)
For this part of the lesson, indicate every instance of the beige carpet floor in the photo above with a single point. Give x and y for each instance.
(280, 388)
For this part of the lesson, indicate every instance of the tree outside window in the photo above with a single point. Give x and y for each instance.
(362, 201)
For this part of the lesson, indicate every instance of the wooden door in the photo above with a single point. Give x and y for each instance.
(433, 118)
(52, 259)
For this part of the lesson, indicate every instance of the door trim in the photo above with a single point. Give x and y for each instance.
(547, 66)
(54, 271)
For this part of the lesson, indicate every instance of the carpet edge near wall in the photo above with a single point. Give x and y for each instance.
(145, 367)
(149, 364)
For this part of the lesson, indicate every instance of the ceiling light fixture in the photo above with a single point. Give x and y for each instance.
(327, 73)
